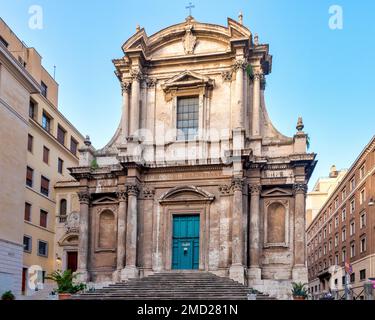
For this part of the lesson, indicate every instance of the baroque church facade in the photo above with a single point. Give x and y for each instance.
(196, 176)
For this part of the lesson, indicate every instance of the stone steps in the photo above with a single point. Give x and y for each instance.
(173, 286)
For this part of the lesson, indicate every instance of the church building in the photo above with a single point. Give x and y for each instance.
(196, 177)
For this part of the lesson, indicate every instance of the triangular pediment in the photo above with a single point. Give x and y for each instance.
(105, 200)
(276, 192)
(186, 78)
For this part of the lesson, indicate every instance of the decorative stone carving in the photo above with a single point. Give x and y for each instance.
(148, 193)
(125, 87)
(226, 75)
(137, 74)
(255, 189)
(189, 41)
(225, 189)
(237, 184)
(72, 223)
(132, 190)
(240, 64)
(122, 195)
(300, 188)
(258, 76)
(151, 82)
(84, 197)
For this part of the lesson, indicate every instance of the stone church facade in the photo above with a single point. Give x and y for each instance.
(196, 176)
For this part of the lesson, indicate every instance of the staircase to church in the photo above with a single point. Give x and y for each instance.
(173, 286)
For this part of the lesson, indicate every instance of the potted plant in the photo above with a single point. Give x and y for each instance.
(65, 283)
(252, 295)
(8, 295)
(299, 291)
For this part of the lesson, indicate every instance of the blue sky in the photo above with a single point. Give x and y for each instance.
(324, 75)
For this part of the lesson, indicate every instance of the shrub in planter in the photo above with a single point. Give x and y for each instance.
(8, 295)
(299, 291)
(65, 283)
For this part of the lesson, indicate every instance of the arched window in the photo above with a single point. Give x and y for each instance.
(276, 223)
(107, 235)
(62, 207)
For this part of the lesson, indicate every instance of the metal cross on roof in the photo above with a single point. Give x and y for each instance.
(190, 6)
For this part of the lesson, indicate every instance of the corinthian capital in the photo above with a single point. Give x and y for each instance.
(240, 64)
(237, 184)
(300, 188)
(122, 194)
(125, 87)
(258, 76)
(84, 197)
(136, 74)
(133, 190)
(255, 189)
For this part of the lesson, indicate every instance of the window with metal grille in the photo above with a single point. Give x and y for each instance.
(42, 248)
(187, 118)
(27, 244)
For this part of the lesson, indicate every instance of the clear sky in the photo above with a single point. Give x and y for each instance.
(324, 75)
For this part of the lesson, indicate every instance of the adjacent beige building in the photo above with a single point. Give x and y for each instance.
(321, 191)
(49, 144)
(16, 86)
(343, 231)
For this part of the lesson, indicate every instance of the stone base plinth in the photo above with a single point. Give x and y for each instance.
(237, 273)
(82, 276)
(254, 273)
(279, 289)
(116, 276)
(300, 274)
(129, 272)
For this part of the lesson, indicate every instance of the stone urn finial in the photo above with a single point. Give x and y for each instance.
(256, 39)
(240, 17)
(300, 124)
(138, 28)
(87, 141)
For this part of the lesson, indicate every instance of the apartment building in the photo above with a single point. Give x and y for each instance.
(51, 146)
(343, 230)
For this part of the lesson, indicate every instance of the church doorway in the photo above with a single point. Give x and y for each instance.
(185, 238)
(72, 259)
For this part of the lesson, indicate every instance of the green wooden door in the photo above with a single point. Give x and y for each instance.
(185, 253)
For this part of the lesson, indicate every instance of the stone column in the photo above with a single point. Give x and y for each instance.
(83, 245)
(299, 268)
(148, 224)
(131, 270)
(237, 271)
(239, 67)
(125, 86)
(254, 271)
(256, 104)
(135, 99)
(121, 233)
